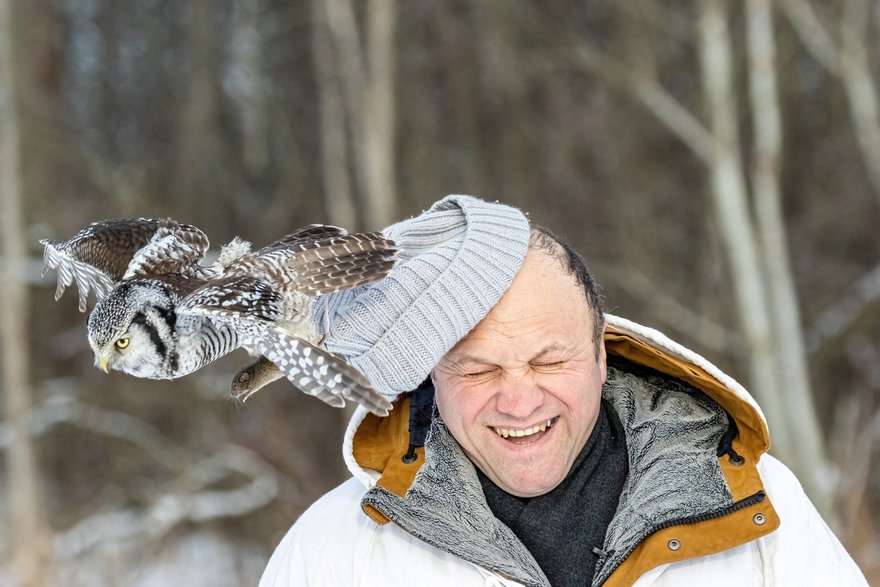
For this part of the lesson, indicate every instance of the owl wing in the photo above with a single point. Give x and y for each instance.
(97, 256)
(306, 234)
(173, 248)
(317, 372)
(107, 251)
(234, 298)
(341, 262)
(300, 263)
(251, 306)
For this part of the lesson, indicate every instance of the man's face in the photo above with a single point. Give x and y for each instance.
(521, 392)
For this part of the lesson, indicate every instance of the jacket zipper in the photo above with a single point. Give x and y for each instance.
(733, 508)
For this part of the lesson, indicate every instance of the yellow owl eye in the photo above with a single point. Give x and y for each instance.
(122, 343)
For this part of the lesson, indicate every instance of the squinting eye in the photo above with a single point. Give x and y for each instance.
(553, 365)
(477, 374)
(122, 343)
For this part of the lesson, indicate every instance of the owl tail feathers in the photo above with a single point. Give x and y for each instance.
(317, 372)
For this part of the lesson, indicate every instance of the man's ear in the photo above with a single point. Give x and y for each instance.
(603, 357)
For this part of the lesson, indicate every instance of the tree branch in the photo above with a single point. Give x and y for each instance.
(171, 507)
(697, 327)
(835, 320)
(654, 97)
(811, 32)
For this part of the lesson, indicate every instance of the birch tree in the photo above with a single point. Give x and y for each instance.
(733, 216)
(849, 61)
(31, 543)
(792, 374)
(750, 225)
(335, 162)
(366, 68)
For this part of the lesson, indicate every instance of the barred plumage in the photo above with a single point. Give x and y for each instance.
(161, 314)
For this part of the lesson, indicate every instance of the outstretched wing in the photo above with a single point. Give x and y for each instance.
(341, 262)
(251, 306)
(174, 248)
(97, 257)
(306, 234)
(107, 251)
(309, 266)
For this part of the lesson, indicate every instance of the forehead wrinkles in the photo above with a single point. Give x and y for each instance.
(519, 320)
(507, 324)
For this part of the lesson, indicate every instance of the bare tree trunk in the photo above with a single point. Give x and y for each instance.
(335, 166)
(851, 65)
(29, 531)
(367, 78)
(252, 99)
(764, 295)
(199, 161)
(734, 220)
(858, 79)
(378, 148)
(792, 374)
(350, 68)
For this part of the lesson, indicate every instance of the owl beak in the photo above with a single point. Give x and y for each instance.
(102, 358)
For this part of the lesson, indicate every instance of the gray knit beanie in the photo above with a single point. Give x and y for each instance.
(457, 260)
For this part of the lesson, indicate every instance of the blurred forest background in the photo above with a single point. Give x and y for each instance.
(717, 162)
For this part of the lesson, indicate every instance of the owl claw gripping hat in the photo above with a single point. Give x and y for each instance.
(457, 260)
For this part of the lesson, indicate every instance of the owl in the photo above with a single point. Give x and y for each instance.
(162, 313)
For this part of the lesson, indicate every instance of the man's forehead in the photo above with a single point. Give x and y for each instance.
(543, 284)
(554, 346)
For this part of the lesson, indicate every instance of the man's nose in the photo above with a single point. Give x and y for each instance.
(519, 395)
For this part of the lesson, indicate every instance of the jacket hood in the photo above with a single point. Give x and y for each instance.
(693, 469)
(372, 443)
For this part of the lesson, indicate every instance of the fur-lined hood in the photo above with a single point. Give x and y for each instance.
(694, 436)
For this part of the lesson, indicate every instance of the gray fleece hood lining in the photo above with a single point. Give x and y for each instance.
(672, 435)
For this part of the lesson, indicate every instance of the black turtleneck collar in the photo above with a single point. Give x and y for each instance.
(564, 529)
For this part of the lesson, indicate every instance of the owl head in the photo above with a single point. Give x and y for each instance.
(132, 329)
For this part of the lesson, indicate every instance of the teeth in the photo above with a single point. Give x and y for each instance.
(507, 432)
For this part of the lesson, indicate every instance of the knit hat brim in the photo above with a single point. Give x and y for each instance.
(457, 260)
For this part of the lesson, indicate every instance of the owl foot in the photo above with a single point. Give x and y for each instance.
(254, 377)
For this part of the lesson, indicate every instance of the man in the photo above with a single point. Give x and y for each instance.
(531, 443)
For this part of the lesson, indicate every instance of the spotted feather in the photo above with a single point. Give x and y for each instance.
(316, 371)
(235, 297)
(100, 255)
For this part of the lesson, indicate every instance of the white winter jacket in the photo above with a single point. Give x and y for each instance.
(702, 505)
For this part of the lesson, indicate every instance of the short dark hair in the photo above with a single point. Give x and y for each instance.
(544, 240)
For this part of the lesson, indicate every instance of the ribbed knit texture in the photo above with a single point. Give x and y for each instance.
(458, 258)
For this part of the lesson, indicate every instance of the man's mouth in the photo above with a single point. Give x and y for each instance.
(525, 434)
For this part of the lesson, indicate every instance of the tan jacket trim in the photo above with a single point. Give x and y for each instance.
(678, 543)
(379, 444)
(753, 439)
(375, 515)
